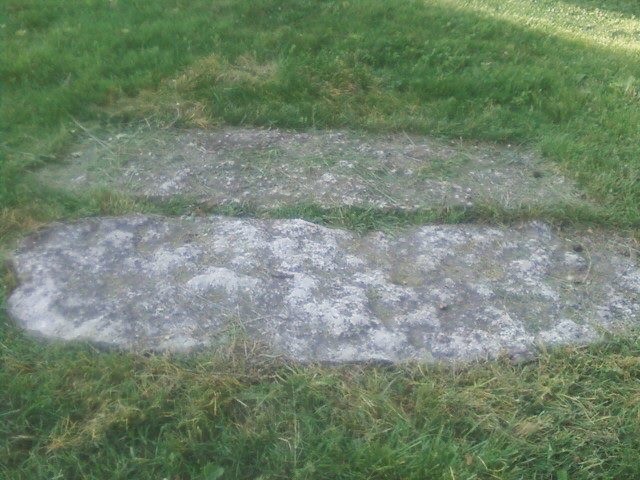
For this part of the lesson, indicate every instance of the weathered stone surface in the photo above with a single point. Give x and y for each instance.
(273, 168)
(454, 292)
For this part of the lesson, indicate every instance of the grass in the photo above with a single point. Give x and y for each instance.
(70, 412)
(560, 77)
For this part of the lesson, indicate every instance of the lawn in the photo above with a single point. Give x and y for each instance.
(559, 77)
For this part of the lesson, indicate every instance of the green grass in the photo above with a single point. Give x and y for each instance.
(70, 412)
(559, 77)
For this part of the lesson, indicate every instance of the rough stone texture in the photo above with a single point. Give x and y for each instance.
(273, 168)
(456, 292)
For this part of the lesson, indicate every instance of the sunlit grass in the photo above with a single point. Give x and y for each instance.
(595, 23)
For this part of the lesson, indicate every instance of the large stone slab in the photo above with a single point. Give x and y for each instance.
(446, 292)
(274, 168)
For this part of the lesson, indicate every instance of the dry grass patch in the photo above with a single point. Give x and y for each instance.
(213, 69)
(171, 104)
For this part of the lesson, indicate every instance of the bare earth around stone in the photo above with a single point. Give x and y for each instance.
(443, 292)
(274, 168)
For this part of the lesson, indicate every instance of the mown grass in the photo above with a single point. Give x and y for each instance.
(557, 76)
(560, 77)
(71, 412)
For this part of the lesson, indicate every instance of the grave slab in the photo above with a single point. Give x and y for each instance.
(274, 168)
(311, 293)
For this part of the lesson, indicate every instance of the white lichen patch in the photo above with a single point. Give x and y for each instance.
(167, 259)
(217, 278)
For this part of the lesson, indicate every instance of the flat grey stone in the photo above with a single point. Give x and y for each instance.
(441, 292)
(274, 168)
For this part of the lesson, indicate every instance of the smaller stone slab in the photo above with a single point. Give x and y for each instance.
(275, 168)
(441, 292)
